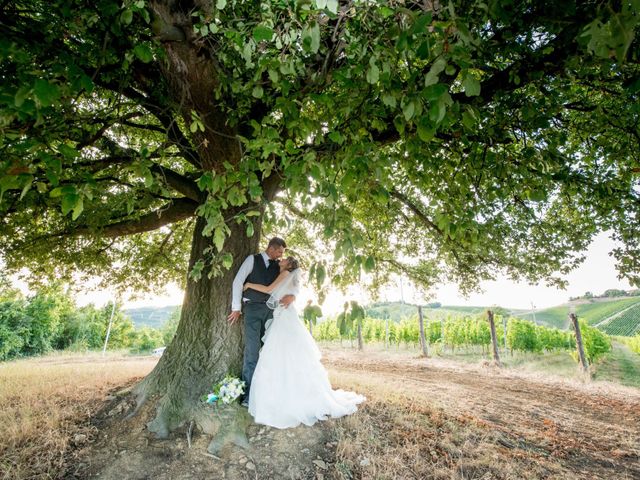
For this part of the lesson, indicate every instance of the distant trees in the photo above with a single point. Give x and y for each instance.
(610, 293)
(50, 320)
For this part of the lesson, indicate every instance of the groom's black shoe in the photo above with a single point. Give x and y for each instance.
(245, 402)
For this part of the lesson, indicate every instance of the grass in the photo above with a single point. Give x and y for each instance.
(620, 366)
(47, 400)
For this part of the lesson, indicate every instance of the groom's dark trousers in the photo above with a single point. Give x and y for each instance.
(255, 318)
(256, 314)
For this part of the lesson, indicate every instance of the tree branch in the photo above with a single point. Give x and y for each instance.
(175, 211)
(173, 132)
(178, 182)
(414, 208)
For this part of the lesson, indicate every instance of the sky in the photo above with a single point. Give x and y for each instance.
(596, 274)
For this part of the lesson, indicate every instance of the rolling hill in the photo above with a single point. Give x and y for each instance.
(619, 315)
(150, 316)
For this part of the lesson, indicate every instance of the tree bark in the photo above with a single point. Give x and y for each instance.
(205, 347)
(360, 342)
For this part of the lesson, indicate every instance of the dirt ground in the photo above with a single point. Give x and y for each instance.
(424, 418)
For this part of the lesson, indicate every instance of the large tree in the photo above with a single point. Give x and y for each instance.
(149, 140)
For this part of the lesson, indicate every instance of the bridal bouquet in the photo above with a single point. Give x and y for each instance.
(226, 390)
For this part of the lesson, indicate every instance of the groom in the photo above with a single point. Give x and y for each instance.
(263, 269)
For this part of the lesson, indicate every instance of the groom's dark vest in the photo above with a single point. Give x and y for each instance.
(263, 276)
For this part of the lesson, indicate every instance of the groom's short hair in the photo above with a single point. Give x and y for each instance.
(277, 242)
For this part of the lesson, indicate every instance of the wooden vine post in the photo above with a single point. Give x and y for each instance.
(579, 345)
(494, 338)
(504, 328)
(423, 340)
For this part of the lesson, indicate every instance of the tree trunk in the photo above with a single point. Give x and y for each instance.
(205, 347)
(360, 342)
(494, 338)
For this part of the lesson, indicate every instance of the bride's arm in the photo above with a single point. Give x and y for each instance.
(268, 288)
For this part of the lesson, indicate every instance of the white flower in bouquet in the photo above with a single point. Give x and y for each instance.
(227, 390)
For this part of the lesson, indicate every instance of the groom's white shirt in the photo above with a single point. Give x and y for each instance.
(241, 278)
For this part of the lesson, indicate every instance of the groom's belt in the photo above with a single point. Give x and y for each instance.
(251, 302)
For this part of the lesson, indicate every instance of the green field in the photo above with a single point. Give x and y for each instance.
(626, 323)
(593, 312)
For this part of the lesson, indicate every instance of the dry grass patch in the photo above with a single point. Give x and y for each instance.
(395, 436)
(47, 403)
(411, 428)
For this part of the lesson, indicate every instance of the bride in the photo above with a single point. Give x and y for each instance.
(290, 386)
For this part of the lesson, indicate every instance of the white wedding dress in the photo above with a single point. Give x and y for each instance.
(290, 386)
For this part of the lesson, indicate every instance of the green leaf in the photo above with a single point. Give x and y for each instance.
(77, 208)
(274, 76)
(468, 121)
(471, 85)
(227, 260)
(421, 23)
(218, 239)
(386, 12)
(21, 95)
(46, 93)
(389, 100)
(250, 229)
(536, 195)
(26, 187)
(220, 4)
(69, 202)
(332, 6)
(373, 74)
(434, 92)
(424, 50)
(425, 132)
(262, 33)
(408, 110)
(196, 270)
(369, 264)
(8, 182)
(143, 52)
(311, 37)
(126, 17)
(257, 92)
(205, 182)
(67, 151)
(434, 72)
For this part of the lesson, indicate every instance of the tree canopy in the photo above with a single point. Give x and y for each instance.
(144, 138)
(441, 140)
